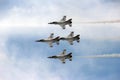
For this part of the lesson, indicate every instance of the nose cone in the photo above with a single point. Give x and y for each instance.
(39, 40)
(52, 57)
(52, 23)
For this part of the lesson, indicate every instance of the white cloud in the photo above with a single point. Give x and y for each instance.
(25, 69)
(17, 18)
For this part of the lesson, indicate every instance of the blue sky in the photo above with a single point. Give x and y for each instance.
(22, 22)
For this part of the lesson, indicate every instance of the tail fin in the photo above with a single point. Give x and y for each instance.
(78, 36)
(70, 54)
(70, 22)
(57, 38)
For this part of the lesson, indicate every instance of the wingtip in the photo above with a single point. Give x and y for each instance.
(52, 33)
(72, 32)
(64, 50)
(63, 28)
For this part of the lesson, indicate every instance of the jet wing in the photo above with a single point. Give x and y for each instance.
(62, 59)
(62, 25)
(63, 19)
(63, 53)
(50, 44)
(71, 42)
(51, 36)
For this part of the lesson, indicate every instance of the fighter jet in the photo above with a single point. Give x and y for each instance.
(70, 38)
(62, 56)
(50, 40)
(63, 22)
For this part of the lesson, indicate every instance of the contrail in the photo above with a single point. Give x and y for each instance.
(109, 38)
(95, 22)
(102, 56)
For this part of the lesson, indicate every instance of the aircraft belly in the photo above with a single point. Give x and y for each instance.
(60, 22)
(48, 40)
(69, 39)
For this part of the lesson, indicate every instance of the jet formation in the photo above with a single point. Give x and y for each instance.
(70, 38)
(63, 22)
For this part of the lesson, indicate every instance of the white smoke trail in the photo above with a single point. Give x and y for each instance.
(96, 22)
(102, 56)
(109, 38)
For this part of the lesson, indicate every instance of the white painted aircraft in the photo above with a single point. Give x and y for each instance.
(70, 38)
(50, 40)
(63, 22)
(62, 56)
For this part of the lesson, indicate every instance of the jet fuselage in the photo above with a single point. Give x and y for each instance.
(68, 22)
(68, 56)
